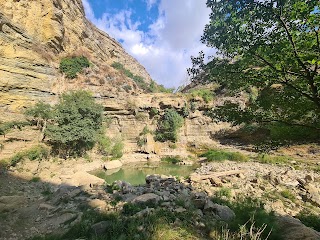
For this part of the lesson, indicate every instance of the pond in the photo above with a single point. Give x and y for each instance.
(136, 174)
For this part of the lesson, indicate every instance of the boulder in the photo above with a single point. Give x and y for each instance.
(221, 212)
(83, 179)
(293, 229)
(146, 198)
(313, 194)
(113, 164)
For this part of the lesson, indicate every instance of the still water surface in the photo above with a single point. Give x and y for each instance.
(136, 174)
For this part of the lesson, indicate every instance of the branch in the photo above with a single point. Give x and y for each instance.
(294, 46)
(278, 70)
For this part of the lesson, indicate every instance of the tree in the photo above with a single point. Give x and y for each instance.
(271, 51)
(168, 126)
(39, 114)
(76, 123)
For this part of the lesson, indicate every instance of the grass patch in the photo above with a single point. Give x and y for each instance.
(309, 219)
(221, 155)
(38, 152)
(250, 212)
(266, 158)
(288, 194)
(35, 179)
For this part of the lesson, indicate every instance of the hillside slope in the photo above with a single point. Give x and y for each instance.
(36, 35)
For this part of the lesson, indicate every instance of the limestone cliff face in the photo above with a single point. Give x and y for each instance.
(35, 35)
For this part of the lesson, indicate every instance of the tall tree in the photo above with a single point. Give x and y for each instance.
(76, 123)
(269, 49)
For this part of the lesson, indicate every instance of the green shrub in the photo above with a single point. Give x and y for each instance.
(117, 65)
(153, 112)
(5, 127)
(39, 152)
(110, 147)
(168, 126)
(173, 160)
(205, 94)
(223, 192)
(266, 158)
(104, 145)
(288, 194)
(309, 219)
(220, 155)
(117, 149)
(71, 66)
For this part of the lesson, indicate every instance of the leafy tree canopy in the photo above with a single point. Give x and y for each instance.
(271, 51)
(76, 123)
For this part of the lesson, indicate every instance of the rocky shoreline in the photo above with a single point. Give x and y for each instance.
(48, 207)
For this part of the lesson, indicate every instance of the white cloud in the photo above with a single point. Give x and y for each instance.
(166, 47)
(150, 3)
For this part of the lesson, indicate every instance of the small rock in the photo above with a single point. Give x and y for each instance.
(216, 182)
(241, 176)
(180, 210)
(309, 178)
(47, 207)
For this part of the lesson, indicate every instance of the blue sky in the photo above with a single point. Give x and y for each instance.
(160, 34)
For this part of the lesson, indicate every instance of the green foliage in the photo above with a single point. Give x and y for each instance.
(171, 159)
(137, 79)
(39, 114)
(71, 66)
(309, 219)
(249, 210)
(223, 192)
(288, 194)
(142, 140)
(153, 112)
(271, 47)
(266, 158)
(104, 145)
(76, 124)
(168, 126)
(117, 65)
(205, 94)
(38, 152)
(5, 127)
(110, 147)
(221, 155)
(117, 149)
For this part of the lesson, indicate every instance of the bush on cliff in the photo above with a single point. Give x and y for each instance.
(71, 66)
(168, 126)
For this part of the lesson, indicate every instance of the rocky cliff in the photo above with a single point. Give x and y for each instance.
(35, 35)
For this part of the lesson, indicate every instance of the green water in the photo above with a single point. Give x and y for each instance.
(136, 174)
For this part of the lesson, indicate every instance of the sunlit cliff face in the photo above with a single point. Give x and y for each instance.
(43, 19)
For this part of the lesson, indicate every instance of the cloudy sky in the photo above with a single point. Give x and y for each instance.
(160, 34)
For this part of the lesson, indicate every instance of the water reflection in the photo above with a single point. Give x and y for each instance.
(135, 174)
